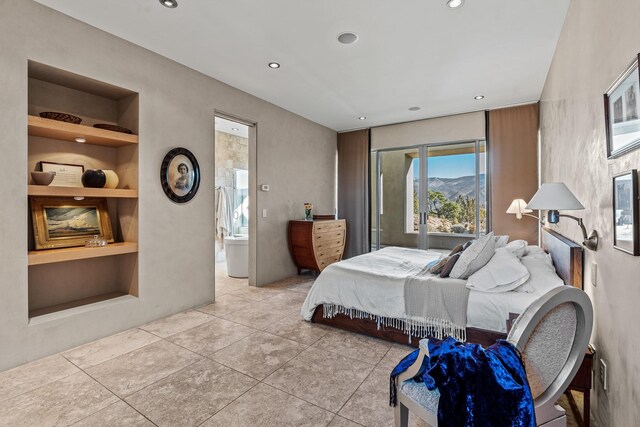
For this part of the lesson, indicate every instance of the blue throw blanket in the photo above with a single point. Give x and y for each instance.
(478, 387)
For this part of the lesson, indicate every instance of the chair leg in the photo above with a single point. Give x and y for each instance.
(401, 415)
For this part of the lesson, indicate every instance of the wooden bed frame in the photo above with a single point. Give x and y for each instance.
(567, 258)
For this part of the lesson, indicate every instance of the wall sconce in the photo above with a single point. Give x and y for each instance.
(519, 208)
(555, 197)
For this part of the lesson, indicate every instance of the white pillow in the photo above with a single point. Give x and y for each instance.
(542, 275)
(533, 250)
(501, 241)
(474, 257)
(518, 247)
(503, 273)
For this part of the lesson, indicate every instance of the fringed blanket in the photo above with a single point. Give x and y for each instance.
(435, 307)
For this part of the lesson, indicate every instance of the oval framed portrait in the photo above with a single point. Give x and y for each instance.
(180, 175)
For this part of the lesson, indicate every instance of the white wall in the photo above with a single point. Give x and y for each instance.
(176, 262)
(598, 41)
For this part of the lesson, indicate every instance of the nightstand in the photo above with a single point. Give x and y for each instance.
(582, 383)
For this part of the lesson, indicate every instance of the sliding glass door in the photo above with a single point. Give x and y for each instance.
(396, 220)
(429, 196)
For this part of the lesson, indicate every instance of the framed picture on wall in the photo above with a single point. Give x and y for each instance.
(180, 175)
(622, 112)
(625, 212)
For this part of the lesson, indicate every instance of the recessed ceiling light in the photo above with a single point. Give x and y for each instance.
(362, 118)
(80, 139)
(347, 38)
(479, 97)
(235, 129)
(414, 108)
(274, 65)
(455, 3)
(169, 3)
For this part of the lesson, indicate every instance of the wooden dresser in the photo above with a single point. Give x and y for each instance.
(316, 244)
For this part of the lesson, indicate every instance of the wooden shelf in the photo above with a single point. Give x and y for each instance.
(73, 304)
(55, 129)
(43, 190)
(49, 256)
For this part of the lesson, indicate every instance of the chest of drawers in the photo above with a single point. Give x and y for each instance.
(316, 244)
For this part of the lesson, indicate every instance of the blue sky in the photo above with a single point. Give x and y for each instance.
(448, 166)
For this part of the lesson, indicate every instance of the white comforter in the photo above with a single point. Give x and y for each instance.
(374, 283)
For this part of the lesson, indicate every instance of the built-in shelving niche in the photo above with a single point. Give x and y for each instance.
(61, 279)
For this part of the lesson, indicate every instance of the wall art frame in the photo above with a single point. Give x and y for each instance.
(626, 235)
(180, 175)
(622, 112)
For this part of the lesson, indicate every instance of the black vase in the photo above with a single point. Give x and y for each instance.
(94, 178)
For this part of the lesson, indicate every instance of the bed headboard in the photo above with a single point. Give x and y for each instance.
(567, 256)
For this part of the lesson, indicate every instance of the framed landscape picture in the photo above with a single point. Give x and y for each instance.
(61, 222)
(625, 212)
(622, 113)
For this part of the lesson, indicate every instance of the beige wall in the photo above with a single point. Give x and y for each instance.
(176, 109)
(598, 41)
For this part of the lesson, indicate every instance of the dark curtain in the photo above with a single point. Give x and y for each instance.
(353, 189)
(513, 162)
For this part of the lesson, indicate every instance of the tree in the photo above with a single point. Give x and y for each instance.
(467, 209)
(440, 206)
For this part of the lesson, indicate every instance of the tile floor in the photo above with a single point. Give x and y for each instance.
(246, 360)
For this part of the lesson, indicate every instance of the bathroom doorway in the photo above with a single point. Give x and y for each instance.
(232, 201)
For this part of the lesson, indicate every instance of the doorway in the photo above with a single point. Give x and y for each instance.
(429, 196)
(233, 140)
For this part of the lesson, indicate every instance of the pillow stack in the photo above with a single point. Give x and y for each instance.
(443, 266)
(503, 273)
(476, 256)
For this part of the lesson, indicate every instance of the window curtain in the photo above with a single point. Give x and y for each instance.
(513, 160)
(353, 189)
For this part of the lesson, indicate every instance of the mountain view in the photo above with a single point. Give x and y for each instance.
(452, 204)
(452, 188)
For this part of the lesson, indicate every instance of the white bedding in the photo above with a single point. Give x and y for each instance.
(374, 283)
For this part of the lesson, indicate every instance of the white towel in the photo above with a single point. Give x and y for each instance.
(224, 215)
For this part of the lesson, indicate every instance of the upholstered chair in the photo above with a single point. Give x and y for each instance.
(552, 335)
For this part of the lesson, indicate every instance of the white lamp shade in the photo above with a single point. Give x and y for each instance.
(518, 207)
(554, 196)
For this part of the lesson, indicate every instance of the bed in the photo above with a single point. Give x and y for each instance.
(367, 295)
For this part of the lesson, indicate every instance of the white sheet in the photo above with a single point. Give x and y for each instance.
(374, 283)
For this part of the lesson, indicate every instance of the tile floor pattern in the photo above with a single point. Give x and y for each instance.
(246, 360)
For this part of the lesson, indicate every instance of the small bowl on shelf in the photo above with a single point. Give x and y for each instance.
(42, 178)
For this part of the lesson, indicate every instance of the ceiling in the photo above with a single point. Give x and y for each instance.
(409, 53)
(233, 128)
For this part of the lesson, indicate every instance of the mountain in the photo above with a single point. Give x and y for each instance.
(454, 187)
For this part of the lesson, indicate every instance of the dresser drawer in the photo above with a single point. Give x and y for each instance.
(323, 263)
(328, 244)
(325, 226)
(329, 236)
(329, 253)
